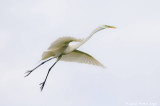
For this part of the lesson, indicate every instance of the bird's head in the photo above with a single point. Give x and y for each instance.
(106, 26)
(102, 27)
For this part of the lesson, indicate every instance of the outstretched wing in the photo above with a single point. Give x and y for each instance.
(81, 57)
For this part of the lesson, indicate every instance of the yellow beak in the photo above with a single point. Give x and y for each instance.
(111, 27)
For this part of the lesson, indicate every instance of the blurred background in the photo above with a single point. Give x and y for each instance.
(131, 52)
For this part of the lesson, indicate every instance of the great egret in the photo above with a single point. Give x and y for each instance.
(62, 50)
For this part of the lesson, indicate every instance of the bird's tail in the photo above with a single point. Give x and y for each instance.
(47, 54)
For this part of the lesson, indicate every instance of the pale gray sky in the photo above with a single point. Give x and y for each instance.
(131, 52)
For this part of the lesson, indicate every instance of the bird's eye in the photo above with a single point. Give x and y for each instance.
(106, 25)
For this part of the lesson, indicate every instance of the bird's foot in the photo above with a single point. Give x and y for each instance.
(42, 85)
(27, 73)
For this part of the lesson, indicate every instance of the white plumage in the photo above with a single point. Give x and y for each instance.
(58, 47)
(81, 57)
(63, 41)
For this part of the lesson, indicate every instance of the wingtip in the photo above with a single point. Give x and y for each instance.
(103, 66)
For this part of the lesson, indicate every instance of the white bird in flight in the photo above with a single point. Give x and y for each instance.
(62, 50)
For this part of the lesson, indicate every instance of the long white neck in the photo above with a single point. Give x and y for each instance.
(85, 40)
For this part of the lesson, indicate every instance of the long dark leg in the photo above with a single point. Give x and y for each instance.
(43, 83)
(28, 72)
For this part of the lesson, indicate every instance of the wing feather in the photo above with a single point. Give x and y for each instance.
(81, 57)
(62, 41)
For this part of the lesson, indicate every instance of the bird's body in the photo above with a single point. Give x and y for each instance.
(58, 47)
(62, 50)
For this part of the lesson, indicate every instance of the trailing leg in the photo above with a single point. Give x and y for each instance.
(43, 83)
